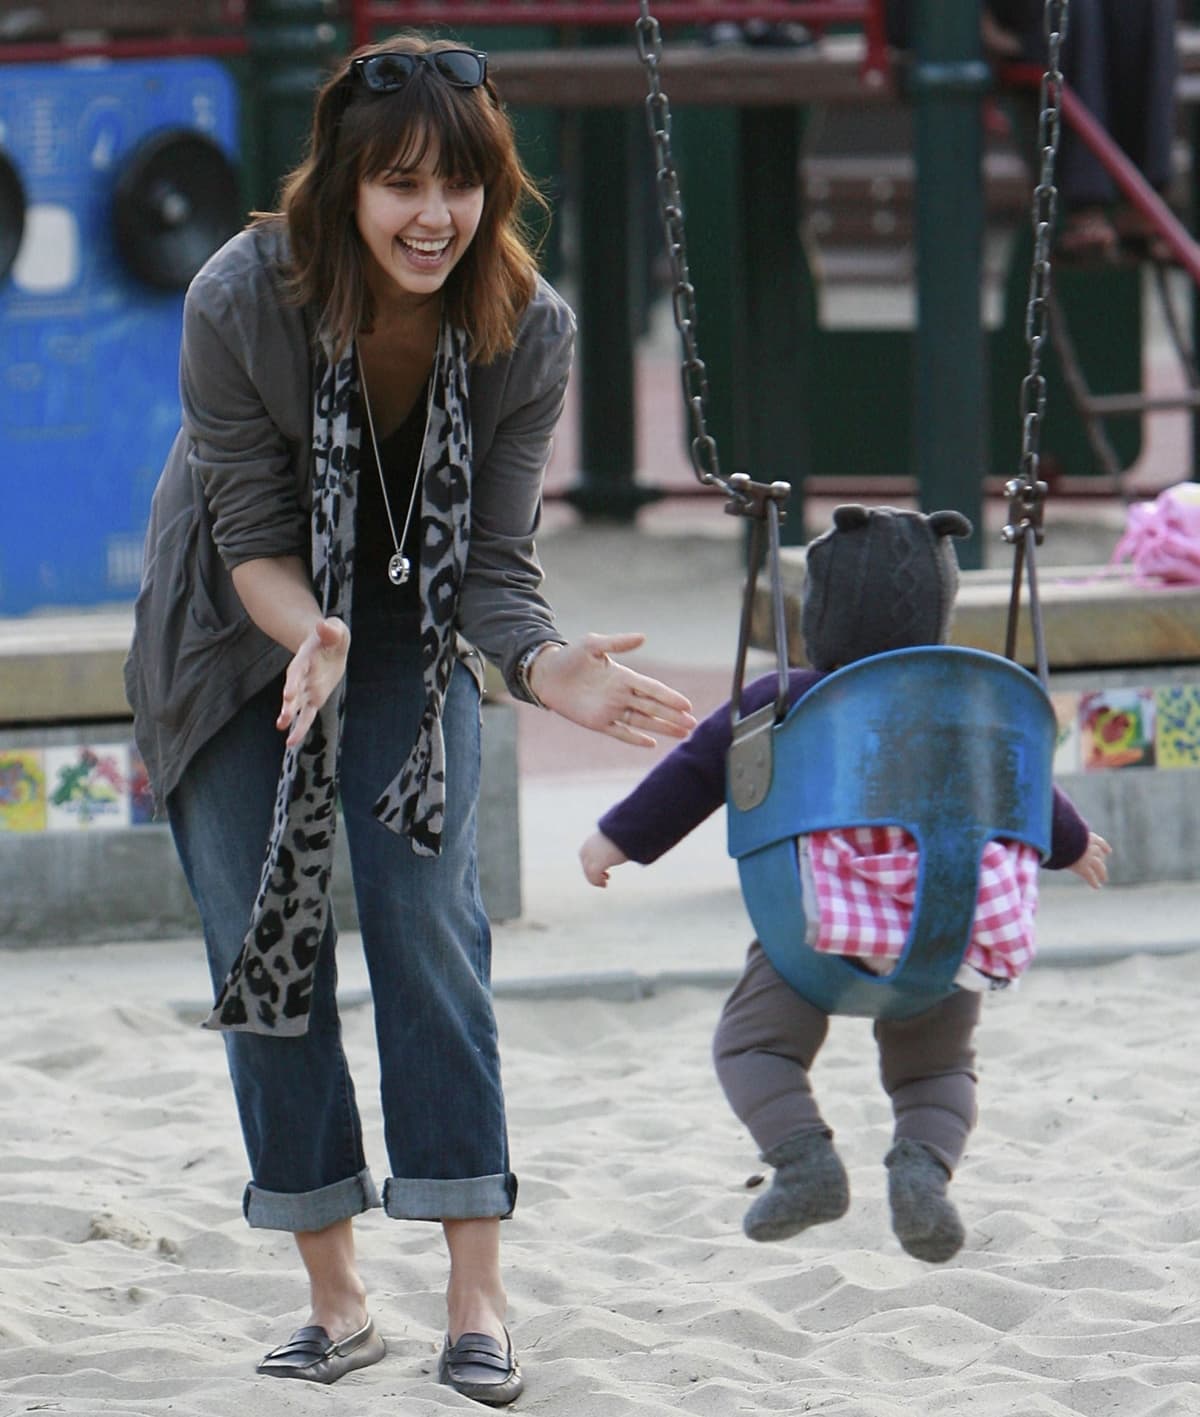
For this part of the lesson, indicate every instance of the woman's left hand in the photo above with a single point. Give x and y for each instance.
(584, 684)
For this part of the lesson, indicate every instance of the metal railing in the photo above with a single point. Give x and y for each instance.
(58, 30)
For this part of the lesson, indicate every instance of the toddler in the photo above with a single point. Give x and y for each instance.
(880, 579)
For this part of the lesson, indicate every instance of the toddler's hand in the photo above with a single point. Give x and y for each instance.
(598, 855)
(1091, 866)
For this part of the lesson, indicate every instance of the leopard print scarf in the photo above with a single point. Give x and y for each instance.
(268, 990)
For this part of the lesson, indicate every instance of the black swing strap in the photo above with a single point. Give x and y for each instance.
(1027, 492)
(762, 503)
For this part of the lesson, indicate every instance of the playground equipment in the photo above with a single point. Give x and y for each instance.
(121, 180)
(953, 745)
(1096, 409)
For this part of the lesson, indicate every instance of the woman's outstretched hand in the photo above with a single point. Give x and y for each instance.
(583, 683)
(314, 673)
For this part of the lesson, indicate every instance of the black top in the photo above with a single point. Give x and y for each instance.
(400, 453)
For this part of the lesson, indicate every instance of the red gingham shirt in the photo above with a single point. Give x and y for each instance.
(865, 882)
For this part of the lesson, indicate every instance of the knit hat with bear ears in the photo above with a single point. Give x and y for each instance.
(879, 579)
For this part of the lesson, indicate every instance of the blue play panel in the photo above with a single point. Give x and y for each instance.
(89, 353)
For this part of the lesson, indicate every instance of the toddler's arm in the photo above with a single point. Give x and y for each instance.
(1092, 866)
(598, 855)
(688, 784)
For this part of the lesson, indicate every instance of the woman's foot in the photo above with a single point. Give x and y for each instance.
(477, 1357)
(312, 1356)
(482, 1368)
(1088, 237)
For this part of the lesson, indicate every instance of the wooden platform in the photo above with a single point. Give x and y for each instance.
(1095, 617)
(612, 76)
(827, 72)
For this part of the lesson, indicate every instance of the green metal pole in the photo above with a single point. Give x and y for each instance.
(293, 46)
(774, 382)
(949, 79)
(607, 242)
(709, 156)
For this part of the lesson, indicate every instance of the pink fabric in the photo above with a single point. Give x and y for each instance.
(865, 883)
(1162, 538)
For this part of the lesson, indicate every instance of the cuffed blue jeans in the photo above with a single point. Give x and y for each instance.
(428, 952)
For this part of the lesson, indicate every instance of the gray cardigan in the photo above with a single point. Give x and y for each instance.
(237, 485)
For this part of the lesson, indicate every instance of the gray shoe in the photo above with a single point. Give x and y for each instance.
(809, 1188)
(923, 1216)
(311, 1355)
(482, 1368)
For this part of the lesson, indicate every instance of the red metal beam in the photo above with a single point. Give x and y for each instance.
(150, 47)
(613, 12)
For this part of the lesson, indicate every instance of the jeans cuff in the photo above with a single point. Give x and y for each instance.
(309, 1210)
(472, 1198)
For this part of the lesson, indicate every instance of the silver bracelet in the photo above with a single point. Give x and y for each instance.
(525, 664)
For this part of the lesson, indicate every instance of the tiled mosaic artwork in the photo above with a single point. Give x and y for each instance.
(82, 787)
(104, 785)
(1177, 727)
(22, 790)
(1116, 728)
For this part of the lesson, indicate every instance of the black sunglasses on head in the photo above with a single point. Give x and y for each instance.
(385, 73)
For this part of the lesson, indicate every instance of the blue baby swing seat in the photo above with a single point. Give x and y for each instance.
(954, 745)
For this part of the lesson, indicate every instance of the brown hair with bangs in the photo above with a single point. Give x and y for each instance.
(357, 135)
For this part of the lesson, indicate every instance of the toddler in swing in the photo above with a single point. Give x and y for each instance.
(879, 579)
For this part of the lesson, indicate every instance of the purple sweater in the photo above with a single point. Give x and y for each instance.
(689, 785)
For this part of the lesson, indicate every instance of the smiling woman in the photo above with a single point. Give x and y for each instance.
(370, 379)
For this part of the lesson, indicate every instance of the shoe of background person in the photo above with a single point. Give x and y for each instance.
(1088, 237)
(1140, 238)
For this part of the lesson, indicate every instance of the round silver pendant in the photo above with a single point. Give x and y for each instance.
(399, 569)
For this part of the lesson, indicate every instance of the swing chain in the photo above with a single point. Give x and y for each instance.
(1026, 492)
(703, 447)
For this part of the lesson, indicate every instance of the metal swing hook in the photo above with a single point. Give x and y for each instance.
(751, 751)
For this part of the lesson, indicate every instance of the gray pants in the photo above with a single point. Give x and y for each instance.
(768, 1038)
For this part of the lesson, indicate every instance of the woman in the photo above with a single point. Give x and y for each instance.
(1119, 57)
(370, 380)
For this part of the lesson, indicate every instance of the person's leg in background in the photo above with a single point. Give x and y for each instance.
(1142, 68)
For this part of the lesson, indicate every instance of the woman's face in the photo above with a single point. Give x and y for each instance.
(416, 226)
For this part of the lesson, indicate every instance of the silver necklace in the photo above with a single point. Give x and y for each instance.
(399, 567)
